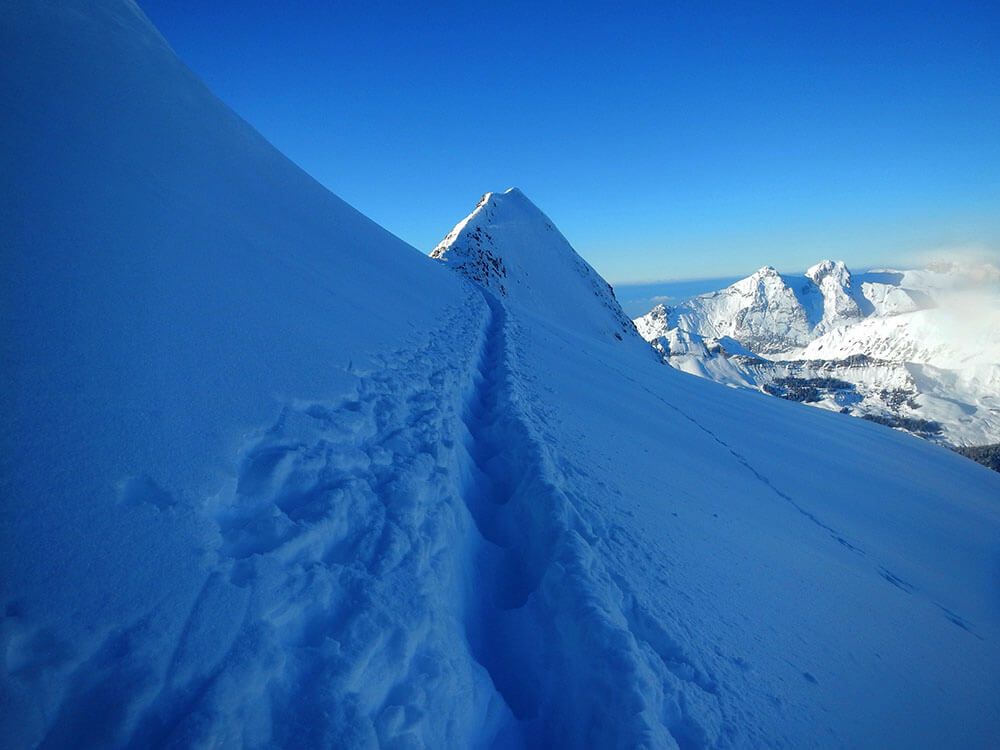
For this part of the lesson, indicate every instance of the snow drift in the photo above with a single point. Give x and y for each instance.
(272, 478)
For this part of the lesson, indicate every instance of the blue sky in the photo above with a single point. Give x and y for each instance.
(677, 140)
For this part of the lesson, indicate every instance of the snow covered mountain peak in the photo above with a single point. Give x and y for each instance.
(508, 246)
(510, 198)
(839, 303)
(827, 268)
(766, 277)
(514, 192)
(762, 309)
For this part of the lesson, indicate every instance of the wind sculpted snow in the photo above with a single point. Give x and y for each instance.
(271, 478)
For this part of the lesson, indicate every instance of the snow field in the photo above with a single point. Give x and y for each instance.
(271, 478)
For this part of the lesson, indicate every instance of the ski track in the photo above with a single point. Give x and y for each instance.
(405, 567)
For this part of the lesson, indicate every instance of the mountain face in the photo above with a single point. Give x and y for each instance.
(270, 477)
(508, 246)
(769, 312)
(918, 350)
(762, 310)
(839, 301)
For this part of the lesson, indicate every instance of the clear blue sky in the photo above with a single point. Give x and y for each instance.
(672, 140)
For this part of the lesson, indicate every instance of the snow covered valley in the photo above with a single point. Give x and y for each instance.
(273, 478)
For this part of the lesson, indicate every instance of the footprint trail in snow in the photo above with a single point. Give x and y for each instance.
(402, 568)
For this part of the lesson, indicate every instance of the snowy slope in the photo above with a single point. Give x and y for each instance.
(806, 579)
(271, 478)
(704, 584)
(950, 336)
(217, 376)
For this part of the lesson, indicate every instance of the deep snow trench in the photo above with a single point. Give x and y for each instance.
(574, 656)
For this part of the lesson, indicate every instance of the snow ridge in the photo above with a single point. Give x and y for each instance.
(510, 247)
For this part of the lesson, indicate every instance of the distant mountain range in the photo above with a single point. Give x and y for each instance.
(918, 350)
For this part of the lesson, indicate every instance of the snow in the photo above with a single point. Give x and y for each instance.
(833, 280)
(763, 311)
(887, 299)
(183, 307)
(853, 535)
(913, 345)
(513, 249)
(942, 336)
(271, 478)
